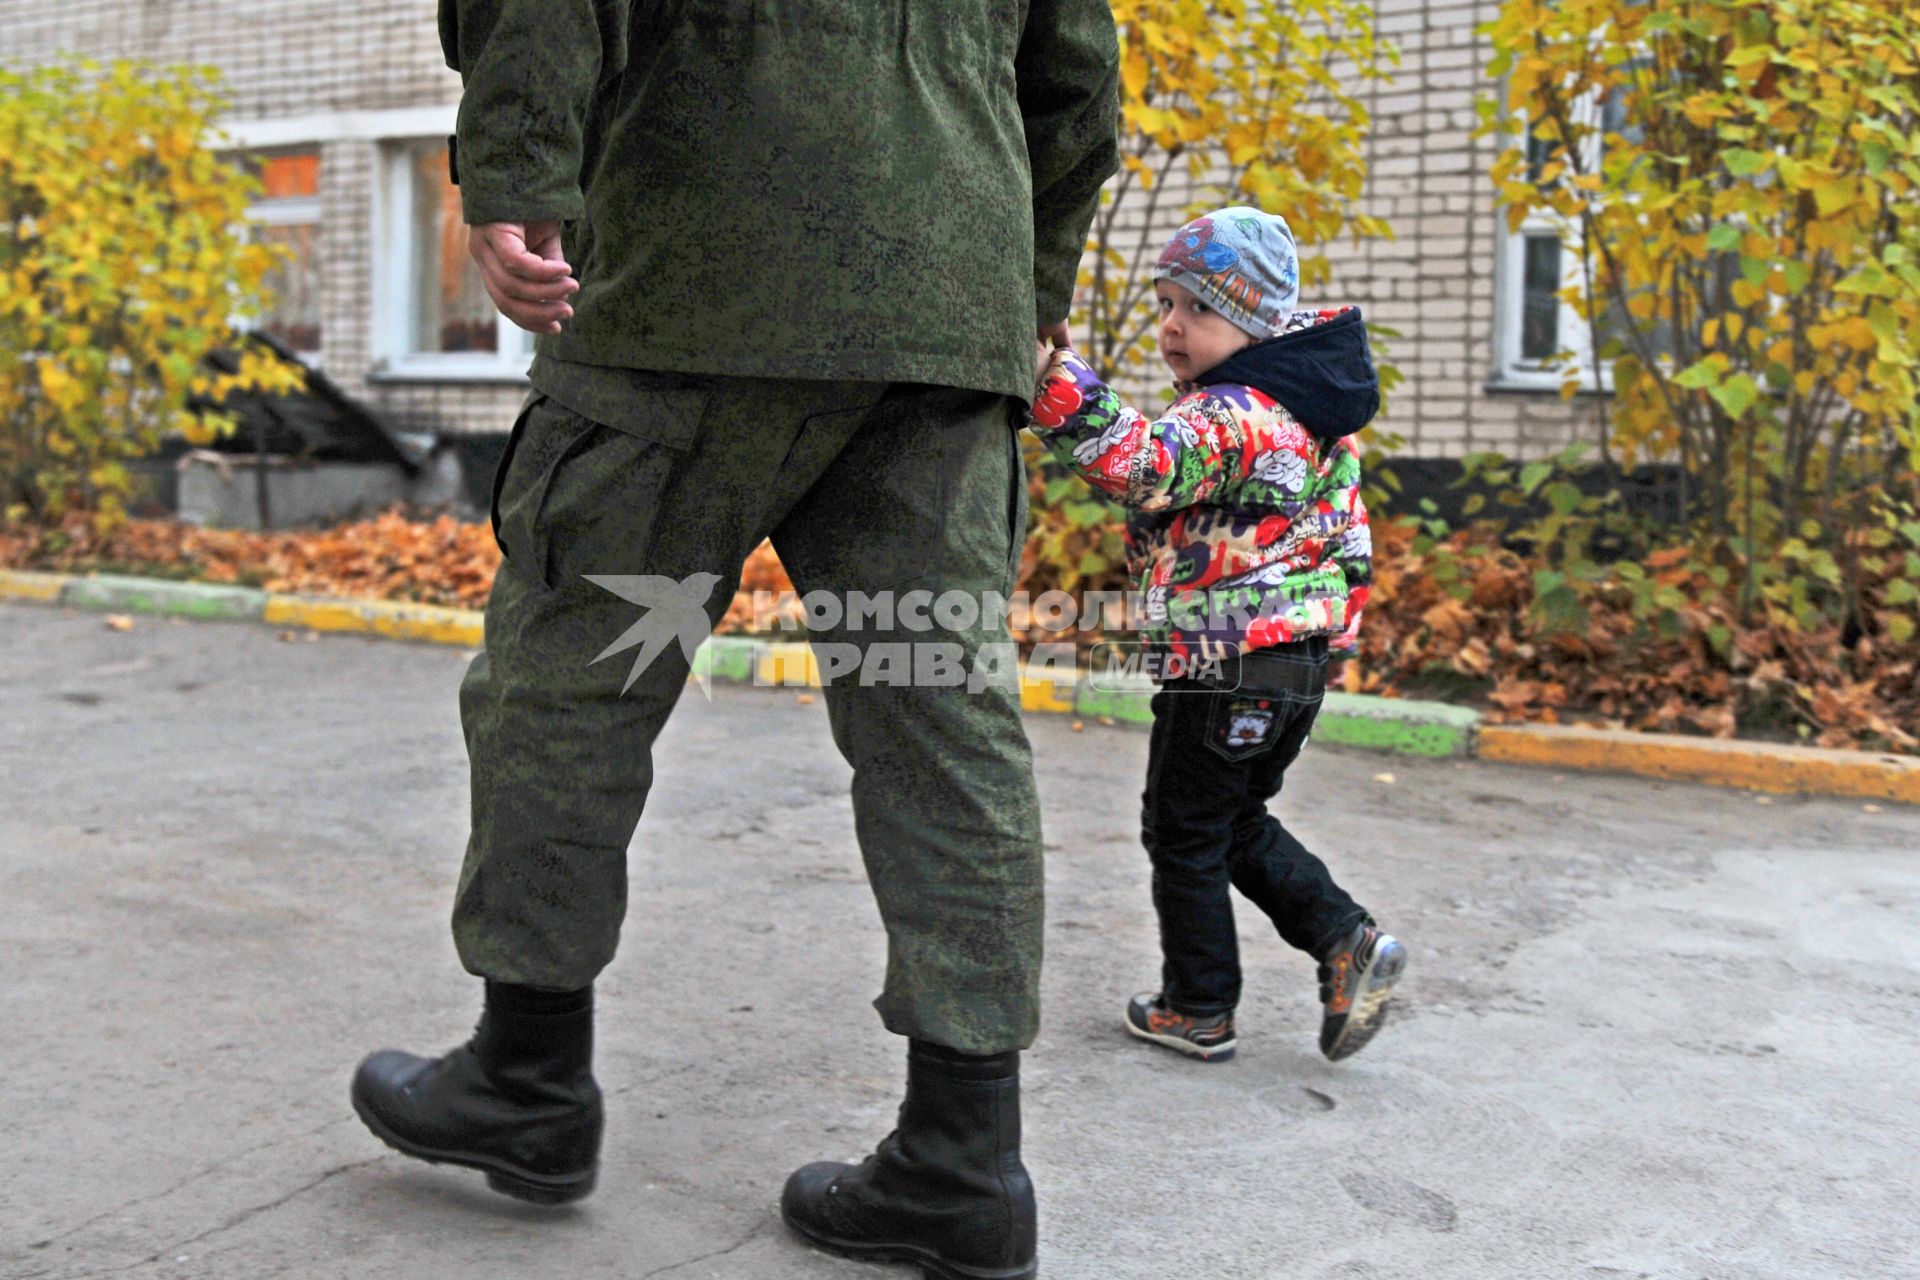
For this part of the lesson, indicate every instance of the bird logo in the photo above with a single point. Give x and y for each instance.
(676, 609)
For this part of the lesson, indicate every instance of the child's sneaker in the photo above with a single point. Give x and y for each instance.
(1356, 982)
(1209, 1039)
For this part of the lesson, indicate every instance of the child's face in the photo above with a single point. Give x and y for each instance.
(1193, 336)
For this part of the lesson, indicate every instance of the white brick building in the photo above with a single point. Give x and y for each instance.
(348, 104)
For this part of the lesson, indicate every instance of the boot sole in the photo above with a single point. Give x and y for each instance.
(508, 1180)
(932, 1265)
(1370, 1007)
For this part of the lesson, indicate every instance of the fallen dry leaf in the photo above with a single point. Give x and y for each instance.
(119, 622)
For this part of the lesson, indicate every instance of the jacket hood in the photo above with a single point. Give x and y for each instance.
(1323, 374)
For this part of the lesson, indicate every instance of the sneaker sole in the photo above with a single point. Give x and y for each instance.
(931, 1264)
(521, 1184)
(1370, 1006)
(1180, 1044)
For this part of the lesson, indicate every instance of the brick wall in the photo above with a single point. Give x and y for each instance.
(280, 57)
(1435, 282)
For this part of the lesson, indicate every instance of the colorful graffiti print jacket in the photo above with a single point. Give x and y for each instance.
(1245, 524)
(826, 189)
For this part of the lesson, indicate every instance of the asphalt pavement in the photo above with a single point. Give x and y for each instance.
(1648, 1030)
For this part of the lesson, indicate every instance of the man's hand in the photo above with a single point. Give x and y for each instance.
(524, 272)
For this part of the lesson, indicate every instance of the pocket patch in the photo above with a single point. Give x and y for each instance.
(1246, 725)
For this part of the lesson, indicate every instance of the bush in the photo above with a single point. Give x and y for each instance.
(124, 259)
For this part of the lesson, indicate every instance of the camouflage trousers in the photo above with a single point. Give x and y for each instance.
(863, 487)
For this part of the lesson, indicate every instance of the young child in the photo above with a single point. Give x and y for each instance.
(1250, 545)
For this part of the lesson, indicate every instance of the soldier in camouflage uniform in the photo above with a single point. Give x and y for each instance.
(787, 258)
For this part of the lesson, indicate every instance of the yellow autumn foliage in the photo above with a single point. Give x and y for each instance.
(124, 259)
(1740, 184)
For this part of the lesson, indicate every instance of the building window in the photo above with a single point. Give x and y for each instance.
(1540, 304)
(435, 319)
(1539, 340)
(287, 214)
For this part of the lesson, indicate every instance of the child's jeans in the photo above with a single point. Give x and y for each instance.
(1216, 757)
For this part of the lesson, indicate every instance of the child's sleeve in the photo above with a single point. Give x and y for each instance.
(1150, 464)
(1354, 554)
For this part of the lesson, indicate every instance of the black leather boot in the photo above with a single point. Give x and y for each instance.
(945, 1190)
(518, 1101)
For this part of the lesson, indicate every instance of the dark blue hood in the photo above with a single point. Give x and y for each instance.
(1322, 375)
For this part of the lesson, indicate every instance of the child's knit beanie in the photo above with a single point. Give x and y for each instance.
(1241, 262)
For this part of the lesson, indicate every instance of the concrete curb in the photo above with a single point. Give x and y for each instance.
(155, 595)
(43, 587)
(400, 621)
(1397, 725)
(1754, 766)
(1401, 725)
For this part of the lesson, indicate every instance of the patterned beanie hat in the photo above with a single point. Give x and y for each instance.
(1242, 262)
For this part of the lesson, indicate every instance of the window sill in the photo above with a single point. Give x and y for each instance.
(416, 372)
(1497, 386)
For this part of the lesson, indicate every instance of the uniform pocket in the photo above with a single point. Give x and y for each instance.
(506, 463)
(581, 497)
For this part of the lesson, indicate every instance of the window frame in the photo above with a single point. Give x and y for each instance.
(1512, 370)
(293, 211)
(395, 262)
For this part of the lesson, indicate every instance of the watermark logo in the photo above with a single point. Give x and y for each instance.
(950, 639)
(1122, 665)
(676, 609)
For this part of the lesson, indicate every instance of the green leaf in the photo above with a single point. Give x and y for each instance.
(1723, 238)
(1900, 628)
(1755, 270)
(1564, 499)
(1698, 377)
(1533, 475)
(1877, 155)
(1901, 591)
(1742, 163)
(1736, 395)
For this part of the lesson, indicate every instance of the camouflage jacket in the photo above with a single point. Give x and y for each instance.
(1246, 527)
(796, 188)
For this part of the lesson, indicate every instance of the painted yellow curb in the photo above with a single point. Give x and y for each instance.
(1042, 694)
(401, 621)
(788, 664)
(31, 586)
(1756, 766)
